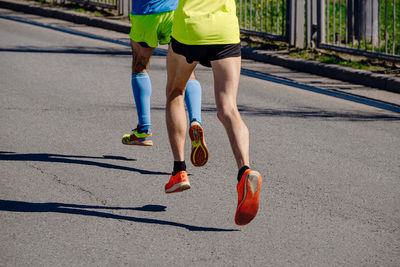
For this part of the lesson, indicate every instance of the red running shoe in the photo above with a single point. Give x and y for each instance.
(177, 183)
(248, 197)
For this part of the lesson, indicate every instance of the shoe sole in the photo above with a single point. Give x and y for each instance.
(199, 155)
(178, 188)
(136, 142)
(247, 209)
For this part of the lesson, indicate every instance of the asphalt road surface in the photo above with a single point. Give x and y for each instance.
(72, 195)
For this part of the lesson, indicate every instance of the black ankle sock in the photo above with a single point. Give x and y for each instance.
(179, 166)
(241, 171)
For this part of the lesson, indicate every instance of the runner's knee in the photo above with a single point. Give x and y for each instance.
(226, 114)
(175, 92)
(139, 64)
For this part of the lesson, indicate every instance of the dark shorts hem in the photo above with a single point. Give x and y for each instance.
(205, 53)
(144, 44)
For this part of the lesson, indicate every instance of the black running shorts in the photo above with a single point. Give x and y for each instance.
(144, 44)
(205, 53)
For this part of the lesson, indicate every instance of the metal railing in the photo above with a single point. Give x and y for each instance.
(265, 18)
(362, 27)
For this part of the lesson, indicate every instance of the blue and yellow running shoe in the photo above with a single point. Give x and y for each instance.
(138, 138)
(199, 155)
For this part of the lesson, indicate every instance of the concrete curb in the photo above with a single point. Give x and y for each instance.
(332, 71)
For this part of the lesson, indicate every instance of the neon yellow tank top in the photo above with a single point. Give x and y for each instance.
(206, 22)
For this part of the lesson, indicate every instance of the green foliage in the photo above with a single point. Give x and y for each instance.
(329, 57)
(342, 62)
(81, 10)
(98, 13)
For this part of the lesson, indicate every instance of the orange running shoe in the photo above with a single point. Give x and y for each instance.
(177, 183)
(199, 155)
(248, 197)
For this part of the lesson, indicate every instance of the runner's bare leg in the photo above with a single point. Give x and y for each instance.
(226, 82)
(179, 72)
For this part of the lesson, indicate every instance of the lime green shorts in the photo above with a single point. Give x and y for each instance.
(152, 29)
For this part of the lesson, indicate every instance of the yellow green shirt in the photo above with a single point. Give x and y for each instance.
(206, 22)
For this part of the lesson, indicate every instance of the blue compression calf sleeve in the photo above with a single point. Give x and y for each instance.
(141, 87)
(193, 99)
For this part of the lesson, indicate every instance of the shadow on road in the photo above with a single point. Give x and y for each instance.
(306, 113)
(74, 159)
(302, 113)
(67, 50)
(21, 206)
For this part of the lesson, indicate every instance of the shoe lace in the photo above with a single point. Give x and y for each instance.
(138, 131)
